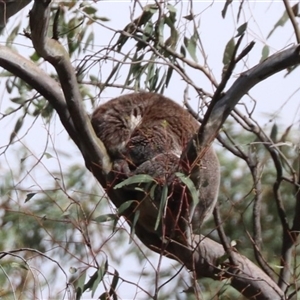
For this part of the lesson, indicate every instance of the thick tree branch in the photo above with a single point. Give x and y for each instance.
(40, 81)
(206, 260)
(52, 51)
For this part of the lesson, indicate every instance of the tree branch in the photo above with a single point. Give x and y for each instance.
(222, 108)
(92, 148)
(40, 81)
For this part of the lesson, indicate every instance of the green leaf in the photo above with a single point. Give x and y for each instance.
(242, 29)
(90, 40)
(18, 100)
(140, 178)
(162, 205)
(274, 133)
(151, 71)
(182, 51)
(190, 45)
(161, 83)
(18, 126)
(169, 75)
(35, 57)
(124, 206)
(189, 17)
(264, 53)
(112, 291)
(48, 155)
(100, 274)
(284, 18)
(79, 284)
(226, 5)
(106, 218)
(192, 189)
(89, 10)
(19, 266)
(135, 219)
(103, 19)
(29, 196)
(171, 8)
(153, 80)
(228, 52)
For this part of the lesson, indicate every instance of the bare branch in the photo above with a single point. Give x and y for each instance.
(221, 110)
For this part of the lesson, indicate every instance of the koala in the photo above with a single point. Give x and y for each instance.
(145, 133)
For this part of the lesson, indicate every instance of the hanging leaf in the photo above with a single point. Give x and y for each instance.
(228, 52)
(182, 51)
(18, 126)
(89, 10)
(274, 133)
(124, 206)
(189, 17)
(241, 29)
(171, 8)
(29, 196)
(79, 284)
(284, 18)
(140, 178)
(114, 284)
(98, 277)
(264, 53)
(192, 189)
(106, 218)
(135, 219)
(169, 75)
(226, 5)
(162, 205)
(190, 45)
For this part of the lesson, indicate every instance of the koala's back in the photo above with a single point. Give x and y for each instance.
(139, 126)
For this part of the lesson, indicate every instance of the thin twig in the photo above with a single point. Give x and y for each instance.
(289, 11)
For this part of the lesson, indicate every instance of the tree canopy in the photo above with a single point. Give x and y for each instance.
(65, 234)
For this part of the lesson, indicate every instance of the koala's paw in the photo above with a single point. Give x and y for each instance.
(121, 168)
